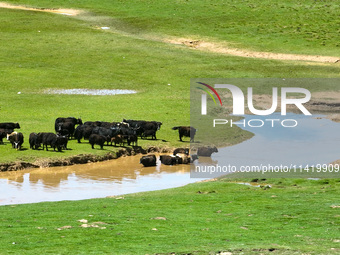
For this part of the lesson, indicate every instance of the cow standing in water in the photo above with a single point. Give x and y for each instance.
(206, 151)
(149, 160)
(186, 131)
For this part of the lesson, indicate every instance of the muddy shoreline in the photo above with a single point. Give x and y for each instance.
(81, 158)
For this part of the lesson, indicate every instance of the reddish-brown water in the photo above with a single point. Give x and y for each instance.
(94, 180)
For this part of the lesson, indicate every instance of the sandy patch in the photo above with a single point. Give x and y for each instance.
(68, 12)
(223, 49)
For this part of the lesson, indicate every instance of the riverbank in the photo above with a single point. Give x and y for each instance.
(81, 158)
(285, 216)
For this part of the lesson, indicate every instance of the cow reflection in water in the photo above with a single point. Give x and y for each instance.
(206, 161)
(117, 170)
(48, 177)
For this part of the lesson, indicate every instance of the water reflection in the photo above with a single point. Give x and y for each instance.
(114, 177)
(312, 142)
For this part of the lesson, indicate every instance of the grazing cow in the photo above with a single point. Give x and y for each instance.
(73, 120)
(149, 132)
(108, 133)
(34, 141)
(97, 139)
(181, 150)
(142, 125)
(149, 160)
(136, 124)
(62, 140)
(4, 133)
(16, 139)
(49, 139)
(206, 151)
(132, 140)
(110, 124)
(65, 128)
(64, 132)
(83, 131)
(168, 159)
(69, 124)
(93, 123)
(118, 139)
(128, 131)
(152, 125)
(9, 125)
(186, 131)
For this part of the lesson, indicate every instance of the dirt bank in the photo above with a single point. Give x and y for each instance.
(81, 159)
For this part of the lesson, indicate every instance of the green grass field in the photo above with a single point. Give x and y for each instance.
(306, 26)
(294, 216)
(43, 50)
(40, 51)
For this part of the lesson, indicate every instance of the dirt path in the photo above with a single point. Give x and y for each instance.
(219, 48)
(200, 45)
(69, 12)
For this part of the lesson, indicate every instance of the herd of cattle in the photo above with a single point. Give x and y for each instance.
(122, 133)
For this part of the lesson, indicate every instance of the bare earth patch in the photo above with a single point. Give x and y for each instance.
(219, 48)
(69, 12)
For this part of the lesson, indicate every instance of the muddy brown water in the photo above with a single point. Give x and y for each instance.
(95, 180)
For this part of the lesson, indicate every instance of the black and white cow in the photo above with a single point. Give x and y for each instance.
(16, 139)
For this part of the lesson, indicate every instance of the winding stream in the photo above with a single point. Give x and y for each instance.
(114, 177)
(314, 141)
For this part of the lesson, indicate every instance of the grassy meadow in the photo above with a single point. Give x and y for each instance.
(293, 216)
(40, 51)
